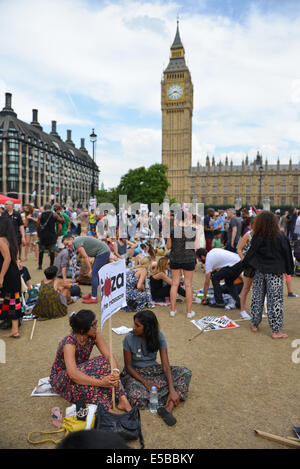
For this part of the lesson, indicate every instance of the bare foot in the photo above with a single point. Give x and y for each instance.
(124, 404)
(255, 329)
(114, 411)
(279, 335)
(14, 335)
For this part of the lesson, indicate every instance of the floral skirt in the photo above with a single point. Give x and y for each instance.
(97, 367)
(11, 308)
(138, 395)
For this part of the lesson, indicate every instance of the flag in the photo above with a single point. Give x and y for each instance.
(254, 210)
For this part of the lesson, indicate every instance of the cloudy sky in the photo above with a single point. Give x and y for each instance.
(98, 64)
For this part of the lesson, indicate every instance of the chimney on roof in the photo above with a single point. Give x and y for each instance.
(35, 119)
(7, 108)
(53, 130)
(69, 138)
(8, 97)
(82, 146)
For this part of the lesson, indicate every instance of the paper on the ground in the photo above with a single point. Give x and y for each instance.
(215, 323)
(121, 330)
(43, 388)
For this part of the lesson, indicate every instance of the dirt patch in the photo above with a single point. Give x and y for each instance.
(241, 381)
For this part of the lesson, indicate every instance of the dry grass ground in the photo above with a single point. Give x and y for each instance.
(241, 381)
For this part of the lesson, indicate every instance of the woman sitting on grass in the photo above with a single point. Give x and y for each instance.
(138, 294)
(77, 377)
(141, 370)
(53, 299)
(160, 282)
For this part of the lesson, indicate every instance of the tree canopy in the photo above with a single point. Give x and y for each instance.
(145, 185)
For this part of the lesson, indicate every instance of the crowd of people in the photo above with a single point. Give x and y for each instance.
(238, 253)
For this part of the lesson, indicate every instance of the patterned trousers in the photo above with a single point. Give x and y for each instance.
(270, 285)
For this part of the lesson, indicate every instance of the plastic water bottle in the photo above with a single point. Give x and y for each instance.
(153, 400)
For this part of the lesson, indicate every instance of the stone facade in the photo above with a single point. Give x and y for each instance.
(213, 183)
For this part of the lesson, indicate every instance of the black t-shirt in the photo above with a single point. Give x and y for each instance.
(16, 221)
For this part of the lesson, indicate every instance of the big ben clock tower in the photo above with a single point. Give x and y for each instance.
(177, 112)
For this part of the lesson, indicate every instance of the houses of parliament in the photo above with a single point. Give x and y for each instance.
(210, 182)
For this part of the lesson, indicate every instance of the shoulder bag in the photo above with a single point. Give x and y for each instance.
(127, 425)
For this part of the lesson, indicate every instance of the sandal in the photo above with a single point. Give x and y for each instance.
(57, 417)
(167, 417)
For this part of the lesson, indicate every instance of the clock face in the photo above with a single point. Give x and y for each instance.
(175, 91)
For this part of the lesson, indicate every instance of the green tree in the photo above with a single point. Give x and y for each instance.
(145, 185)
(107, 196)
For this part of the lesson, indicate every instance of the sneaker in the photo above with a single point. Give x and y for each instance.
(172, 314)
(190, 315)
(218, 305)
(293, 295)
(90, 300)
(86, 297)
(245, 315)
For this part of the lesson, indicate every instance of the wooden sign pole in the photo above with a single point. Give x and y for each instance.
(278, 439)
(111, 362)
(202, 330)
(33, 327)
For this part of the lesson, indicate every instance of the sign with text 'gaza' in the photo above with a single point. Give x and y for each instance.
(112, 282)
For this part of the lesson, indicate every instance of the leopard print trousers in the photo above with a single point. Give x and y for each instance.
(270, 285)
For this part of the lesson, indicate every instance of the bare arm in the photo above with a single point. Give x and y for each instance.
(22, 231)
(233, 236)
(164, 277)
(206, 285)
(133, 371)
(242, 243)
(169, 243)
(85, 259)
(60, 218)
(81, 378)
(173, 396)
(141, 279)
(4, 249)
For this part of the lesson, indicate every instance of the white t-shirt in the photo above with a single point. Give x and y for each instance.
(218, 258)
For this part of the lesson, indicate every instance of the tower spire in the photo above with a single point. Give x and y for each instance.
(177, 43)
(177, 60)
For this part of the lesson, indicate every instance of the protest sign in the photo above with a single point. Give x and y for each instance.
(93, 204)
(214, 323)
(112, 281)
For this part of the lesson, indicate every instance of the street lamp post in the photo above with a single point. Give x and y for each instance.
(260, 185)
(260, 178)
(93, 138)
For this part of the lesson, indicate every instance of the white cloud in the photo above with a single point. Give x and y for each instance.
(59, 55)
(138, 147)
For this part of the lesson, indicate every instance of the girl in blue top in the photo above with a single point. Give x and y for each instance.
(141, 370)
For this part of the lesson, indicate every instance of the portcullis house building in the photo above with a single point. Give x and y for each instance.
(36, 167)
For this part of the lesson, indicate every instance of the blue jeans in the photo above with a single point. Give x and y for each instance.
(99, 262)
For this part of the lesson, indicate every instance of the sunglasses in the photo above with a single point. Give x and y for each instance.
(94, 324)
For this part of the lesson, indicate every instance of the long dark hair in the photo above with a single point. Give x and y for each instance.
(7, 231)
(266, 225)
(151, 328)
